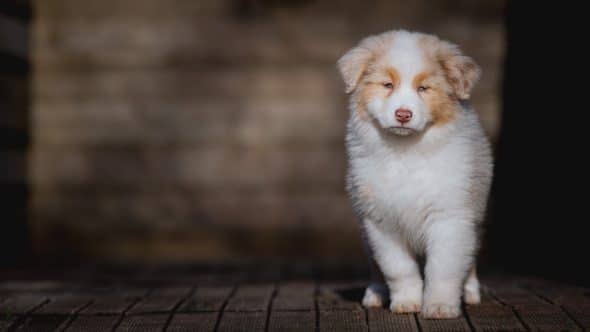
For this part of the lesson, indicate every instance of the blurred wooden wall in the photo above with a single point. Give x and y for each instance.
(199, 129)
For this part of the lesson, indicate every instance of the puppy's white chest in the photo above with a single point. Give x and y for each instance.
(405, 189)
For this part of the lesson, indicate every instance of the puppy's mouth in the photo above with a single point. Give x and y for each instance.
(401, 131)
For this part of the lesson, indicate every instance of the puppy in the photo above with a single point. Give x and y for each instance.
(419, 169)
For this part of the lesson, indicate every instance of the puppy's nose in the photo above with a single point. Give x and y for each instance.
(403, 115)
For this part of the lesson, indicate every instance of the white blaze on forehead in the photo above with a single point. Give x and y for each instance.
(406, 56)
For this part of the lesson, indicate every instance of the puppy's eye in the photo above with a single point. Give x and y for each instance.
(423, 88)
(388, 85)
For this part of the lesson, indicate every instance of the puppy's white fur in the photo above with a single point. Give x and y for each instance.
(420, 188)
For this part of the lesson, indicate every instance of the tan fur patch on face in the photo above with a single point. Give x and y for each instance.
(460, 71)
(364, 85)
(442, 104)
(366, 93)
(354, 64)
(372, 86)
(419, 79)
(394, 77)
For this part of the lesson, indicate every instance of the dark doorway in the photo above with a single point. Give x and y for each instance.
(15, 17)
(540, 209)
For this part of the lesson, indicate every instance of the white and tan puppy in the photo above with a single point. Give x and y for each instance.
(420, 168)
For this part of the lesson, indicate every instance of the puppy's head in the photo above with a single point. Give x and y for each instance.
(406, 81)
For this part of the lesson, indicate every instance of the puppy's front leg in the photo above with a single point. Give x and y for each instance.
(400, 269)
(449, 254)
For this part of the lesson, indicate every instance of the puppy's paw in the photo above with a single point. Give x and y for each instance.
(406, 301)
(375, 296)
(403, 307)
(440, 311)
(471, 296)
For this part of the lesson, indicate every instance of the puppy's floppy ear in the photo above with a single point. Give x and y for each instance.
(354, 62)
(461, 71)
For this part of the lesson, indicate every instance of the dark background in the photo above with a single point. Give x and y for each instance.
(539, 212)
(15, 100)
(176, 131)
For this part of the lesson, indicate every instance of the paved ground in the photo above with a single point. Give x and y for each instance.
(260, 298)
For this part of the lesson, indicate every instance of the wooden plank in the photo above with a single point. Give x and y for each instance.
(491, 315)
(513, 295)
(493, 318)
(206, 298)
(143, 323)
(573, 300)
(113, 301)
(295, 296)
(447, 325)
(292, 321)
(384, 320)
(161, 300)
(195, 321)
(558, 293)
(23, 303)
(251, 298)
(43, 323)
(110, 305)
(98, 323)
(564, 296)
(536, 313)
(250, 321)
(7, 321)
(344, 321)
(546, 318)
(581, 314)
(340, 296)
(64, 304)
